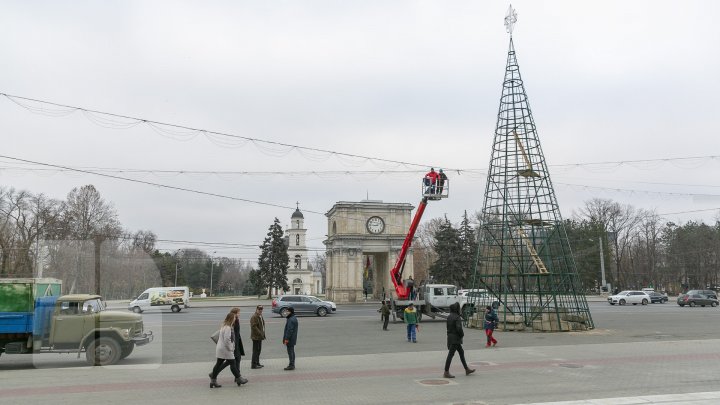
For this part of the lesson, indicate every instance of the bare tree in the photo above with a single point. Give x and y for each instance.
(88, 217)
(618, 219)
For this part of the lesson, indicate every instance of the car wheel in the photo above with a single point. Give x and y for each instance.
(692, 304)
(714, 304)
(682, 305)
(175, 308)
(322, 311)
(103, 351)
(622, 302)
(284, 312)
(137, 310)
(644, 301)
(612, 303)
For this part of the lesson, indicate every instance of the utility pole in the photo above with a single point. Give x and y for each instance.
(602, 265)
(212, 268)
(176, 267)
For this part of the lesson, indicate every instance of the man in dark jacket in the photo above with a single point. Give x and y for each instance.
(455, 335)
(257, 335)
(385, 314)
(239, 350)
(290, 337)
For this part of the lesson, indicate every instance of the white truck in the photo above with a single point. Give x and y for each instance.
(173, 298)
(432, 300)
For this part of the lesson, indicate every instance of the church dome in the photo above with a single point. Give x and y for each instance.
(297, 214)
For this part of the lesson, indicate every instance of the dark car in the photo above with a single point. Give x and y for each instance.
(708, 293)
(696, 299)
(657, 297)
(303, 304)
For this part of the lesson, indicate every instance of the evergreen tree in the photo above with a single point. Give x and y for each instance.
(274, 260)
(253, 285)
(448, 267)
(468, 248)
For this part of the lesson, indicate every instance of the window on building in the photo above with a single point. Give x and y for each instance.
(297, 240)
(298, 261)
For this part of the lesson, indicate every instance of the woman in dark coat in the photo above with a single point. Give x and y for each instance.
(239, 350)
(455, 335)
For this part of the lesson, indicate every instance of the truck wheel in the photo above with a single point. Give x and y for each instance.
(175, 308)
(103, 351)
(126, 350)
(137, 310)
(322, 311)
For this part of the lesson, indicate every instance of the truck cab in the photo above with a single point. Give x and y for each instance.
(440, 295)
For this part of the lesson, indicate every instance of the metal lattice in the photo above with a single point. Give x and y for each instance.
(524, 261)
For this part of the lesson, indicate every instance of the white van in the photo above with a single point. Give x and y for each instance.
(160, 298)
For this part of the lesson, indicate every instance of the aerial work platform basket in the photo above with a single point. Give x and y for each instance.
(435, 191)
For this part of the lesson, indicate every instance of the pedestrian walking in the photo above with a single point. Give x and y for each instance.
(455, 335)
(290, 337)
(491, 321)
(257, 335)
(225, 352)
(239, 350)
(411, 319)
(385, 314)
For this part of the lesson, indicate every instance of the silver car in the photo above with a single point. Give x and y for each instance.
(629, 297)
(303, 304)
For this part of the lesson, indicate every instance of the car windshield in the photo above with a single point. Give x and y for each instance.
(623, 293)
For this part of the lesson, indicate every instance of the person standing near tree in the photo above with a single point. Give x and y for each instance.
(290, 337)
(257, 335)
(385, 314)
(455, 335)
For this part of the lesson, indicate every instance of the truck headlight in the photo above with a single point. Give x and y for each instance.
(125, 333)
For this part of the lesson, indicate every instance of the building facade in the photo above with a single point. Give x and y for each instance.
(301, 278)
(363, 242)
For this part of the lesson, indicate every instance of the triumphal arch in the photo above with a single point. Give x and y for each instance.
(363, 242)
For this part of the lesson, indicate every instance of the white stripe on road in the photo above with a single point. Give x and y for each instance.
(711, 397)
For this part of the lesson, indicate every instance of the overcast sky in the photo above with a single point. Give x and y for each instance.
(400, 81)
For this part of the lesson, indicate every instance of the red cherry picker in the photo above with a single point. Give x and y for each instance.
(430, 299)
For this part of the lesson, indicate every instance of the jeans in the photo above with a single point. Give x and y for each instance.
(257, 348)
(411, 330)
(291, 354)
(451, 353)
(220, 365)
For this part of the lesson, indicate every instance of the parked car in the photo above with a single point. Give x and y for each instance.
(657, 297)
(629, 297)
(303, 304)
(696, 299)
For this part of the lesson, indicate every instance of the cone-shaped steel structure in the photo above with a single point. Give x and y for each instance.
(524, 259)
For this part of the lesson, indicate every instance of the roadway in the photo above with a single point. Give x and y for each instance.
(634, 352)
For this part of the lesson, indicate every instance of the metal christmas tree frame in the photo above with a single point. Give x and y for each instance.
(524, 260)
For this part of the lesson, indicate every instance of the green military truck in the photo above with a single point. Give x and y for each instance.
(35, 318)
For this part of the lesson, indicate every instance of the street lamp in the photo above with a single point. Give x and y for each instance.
(212, 268)
(176, 267)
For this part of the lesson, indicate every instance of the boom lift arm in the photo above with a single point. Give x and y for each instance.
(396, 274)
